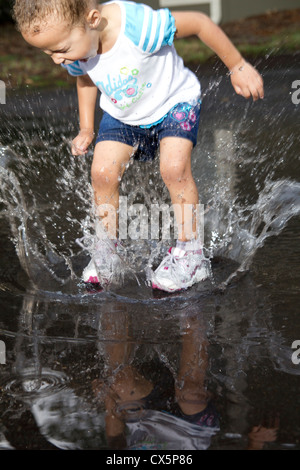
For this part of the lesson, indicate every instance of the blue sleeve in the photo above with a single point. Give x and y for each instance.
(74, 69)
(149, 29)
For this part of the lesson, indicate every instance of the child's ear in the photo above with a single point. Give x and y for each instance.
(93, 18)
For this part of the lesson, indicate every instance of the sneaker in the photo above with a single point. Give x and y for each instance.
(180, 270)
(105, 264)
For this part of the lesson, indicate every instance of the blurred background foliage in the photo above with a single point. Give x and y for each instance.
(274, 35)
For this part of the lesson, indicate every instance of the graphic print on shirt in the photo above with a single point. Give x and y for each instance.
(124, 89)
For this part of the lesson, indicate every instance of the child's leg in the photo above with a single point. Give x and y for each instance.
(191, 393)
(176, 172)
(185, 264)
(109, 163)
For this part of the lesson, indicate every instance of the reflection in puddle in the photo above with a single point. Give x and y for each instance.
(30, 383)
(109, 374)
(137, 369)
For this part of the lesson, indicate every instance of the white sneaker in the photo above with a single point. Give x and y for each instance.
(180, 270)
(105, 262)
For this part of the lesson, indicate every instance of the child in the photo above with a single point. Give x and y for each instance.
(125, 49)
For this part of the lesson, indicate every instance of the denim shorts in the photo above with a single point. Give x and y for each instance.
(181, 121)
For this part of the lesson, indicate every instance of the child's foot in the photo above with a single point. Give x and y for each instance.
(180, 269)
(105, 263)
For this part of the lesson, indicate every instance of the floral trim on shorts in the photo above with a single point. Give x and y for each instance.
(185, 115)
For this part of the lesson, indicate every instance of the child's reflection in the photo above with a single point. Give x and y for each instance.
(143, 414)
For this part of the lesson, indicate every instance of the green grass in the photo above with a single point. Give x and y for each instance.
(37, 71)
(193, 51)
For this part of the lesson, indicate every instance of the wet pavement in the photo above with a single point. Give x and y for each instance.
(215, 367)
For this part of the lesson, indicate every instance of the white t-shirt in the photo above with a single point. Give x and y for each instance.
(163, 431)
(141, 78)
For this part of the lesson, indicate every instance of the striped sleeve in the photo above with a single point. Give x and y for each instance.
(74, 69)
(149, 29)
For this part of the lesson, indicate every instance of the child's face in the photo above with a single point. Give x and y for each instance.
(64, 43)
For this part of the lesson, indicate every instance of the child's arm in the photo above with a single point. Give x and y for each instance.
(244, 78)
(87, 95)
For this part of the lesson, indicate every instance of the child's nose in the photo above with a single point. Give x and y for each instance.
(57, 59)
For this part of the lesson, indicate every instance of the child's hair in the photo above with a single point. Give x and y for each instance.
(31, 15)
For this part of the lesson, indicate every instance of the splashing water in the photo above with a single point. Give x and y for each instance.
(46, 198)
(251, 226)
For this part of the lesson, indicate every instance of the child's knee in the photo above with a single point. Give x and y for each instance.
(175, 172)
(105, 176)
(109, 164)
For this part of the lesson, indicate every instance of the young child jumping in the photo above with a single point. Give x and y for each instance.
(150, 102)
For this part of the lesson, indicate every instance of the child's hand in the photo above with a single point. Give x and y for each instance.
(247, 81)
(81, 143)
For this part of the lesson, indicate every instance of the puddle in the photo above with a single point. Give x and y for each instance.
(129, 367)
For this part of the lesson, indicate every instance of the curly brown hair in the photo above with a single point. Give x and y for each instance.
(31, 15)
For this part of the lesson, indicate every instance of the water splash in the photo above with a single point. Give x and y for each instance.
(29, 384)
(249, 227)
(46, 196)
(38, 256)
